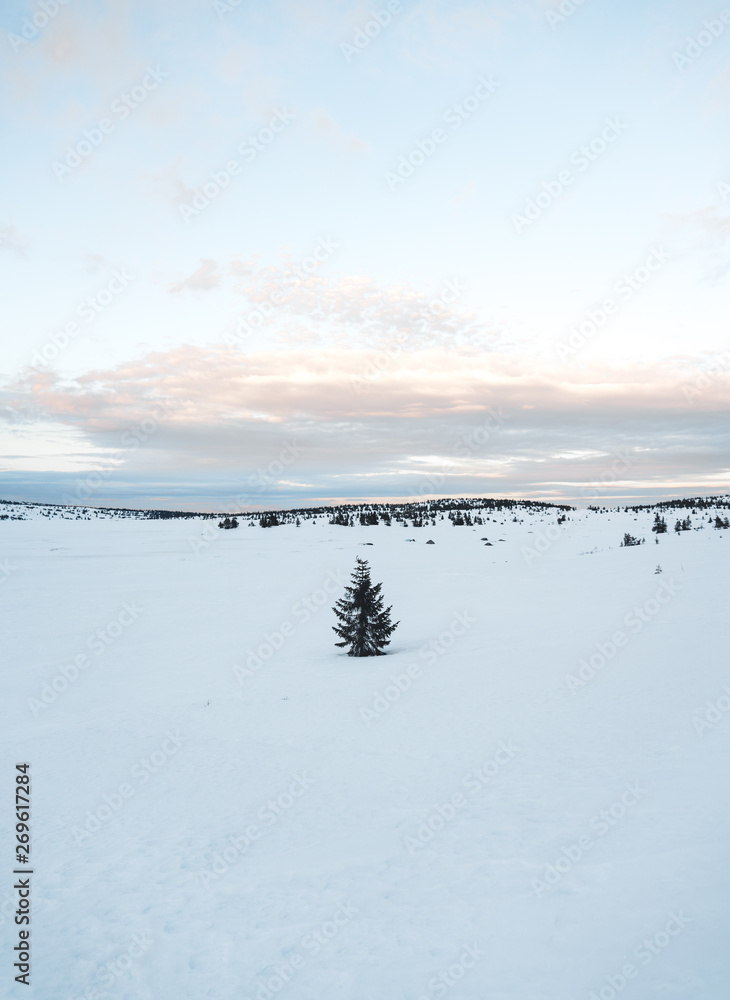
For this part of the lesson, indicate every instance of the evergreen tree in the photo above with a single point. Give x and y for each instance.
(630, 540)
(364, 625)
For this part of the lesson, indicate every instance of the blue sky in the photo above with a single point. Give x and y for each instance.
(430, 303)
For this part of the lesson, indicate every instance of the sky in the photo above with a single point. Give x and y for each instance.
(277, 253)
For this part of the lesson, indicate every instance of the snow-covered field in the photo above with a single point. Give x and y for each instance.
(227, 806)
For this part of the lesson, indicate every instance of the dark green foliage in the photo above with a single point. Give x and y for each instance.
(364, 625)
(630, 540)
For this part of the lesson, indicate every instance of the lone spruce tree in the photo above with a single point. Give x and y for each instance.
(364, 625)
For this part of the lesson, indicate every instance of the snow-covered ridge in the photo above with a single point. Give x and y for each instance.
(21, 510)
(458, 509)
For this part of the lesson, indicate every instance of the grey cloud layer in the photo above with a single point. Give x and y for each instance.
(218, 413)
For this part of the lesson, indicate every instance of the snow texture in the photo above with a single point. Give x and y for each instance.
(226, 806)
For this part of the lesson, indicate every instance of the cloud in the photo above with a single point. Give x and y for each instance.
(93, 40)
(242, 268)
(355, 311)
(708, 222)
(204, 279)
(459, 420)
(168, 185)
(293, 304)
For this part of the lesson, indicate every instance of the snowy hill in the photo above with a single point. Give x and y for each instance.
(18, 510)
(524, 800)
